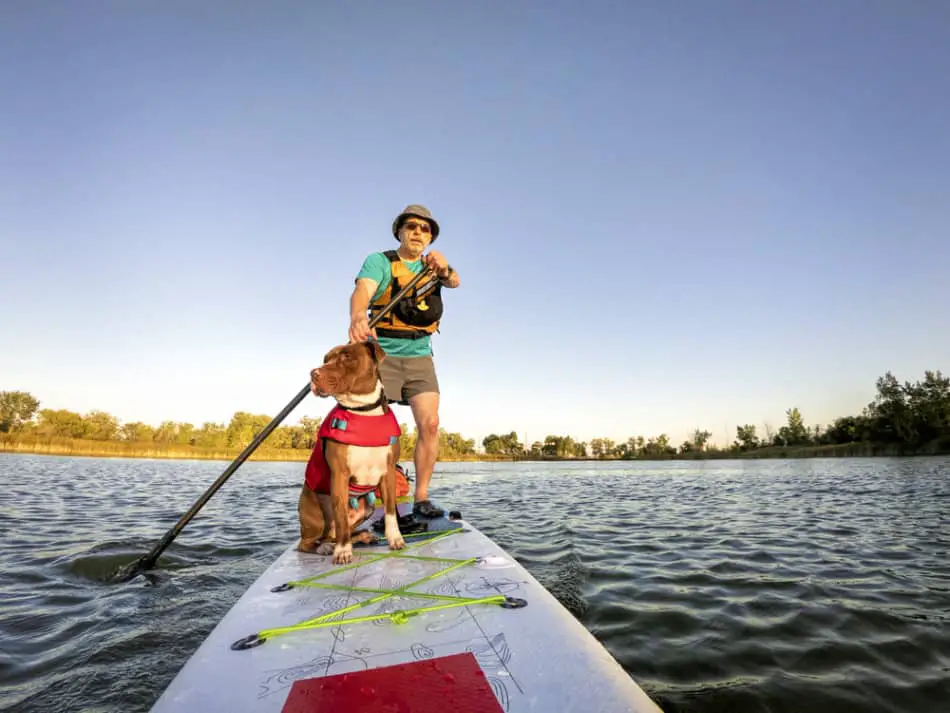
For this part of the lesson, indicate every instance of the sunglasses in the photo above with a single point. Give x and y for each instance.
(411, 225)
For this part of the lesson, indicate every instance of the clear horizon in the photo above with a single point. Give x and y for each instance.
(664, 217)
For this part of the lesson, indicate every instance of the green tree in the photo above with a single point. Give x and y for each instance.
(61, 423)
(746, 439)
(794, 433)
(597, 448)
(101, 426)
(211, 435)
(461, 446)
(281, 437)
(700, 439)
(305, 433)
(559, 446)
(848, 429)
(136, 432)
(929, 403)
(890, 415)
(657, 446)
(407, 442)
(17, 408)
(507, 444)
(697, 442)
(166, 432)
(631, 448)
(185, 434)
(244, 427)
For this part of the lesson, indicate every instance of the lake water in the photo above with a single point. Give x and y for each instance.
(800, 585)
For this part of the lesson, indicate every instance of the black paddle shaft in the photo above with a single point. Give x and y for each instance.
(149, 560)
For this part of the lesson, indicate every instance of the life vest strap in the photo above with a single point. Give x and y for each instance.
(400, 333)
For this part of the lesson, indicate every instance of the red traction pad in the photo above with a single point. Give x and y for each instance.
(449, 683)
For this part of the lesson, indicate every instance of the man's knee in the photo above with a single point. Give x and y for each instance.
(429, 426)
(425, 411)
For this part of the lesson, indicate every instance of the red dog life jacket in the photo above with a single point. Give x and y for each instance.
(355, 429)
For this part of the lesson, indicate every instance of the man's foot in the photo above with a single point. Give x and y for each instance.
(427, 509)
(408, 524)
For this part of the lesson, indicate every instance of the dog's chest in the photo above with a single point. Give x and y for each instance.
(368, 464)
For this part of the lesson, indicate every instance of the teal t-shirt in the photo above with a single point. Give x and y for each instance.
(376, 267)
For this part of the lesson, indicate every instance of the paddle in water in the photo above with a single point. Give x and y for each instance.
(148, 561)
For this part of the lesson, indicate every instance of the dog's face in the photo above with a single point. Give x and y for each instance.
(348, 369)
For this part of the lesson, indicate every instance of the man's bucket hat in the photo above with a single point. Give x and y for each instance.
(418, 211)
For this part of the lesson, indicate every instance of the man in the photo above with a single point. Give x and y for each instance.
(408, 371)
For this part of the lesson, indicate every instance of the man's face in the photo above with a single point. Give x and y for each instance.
(415, 234)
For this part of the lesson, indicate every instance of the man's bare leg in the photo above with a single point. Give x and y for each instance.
(425, 411)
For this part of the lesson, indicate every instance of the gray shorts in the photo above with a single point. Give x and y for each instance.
(405, 377)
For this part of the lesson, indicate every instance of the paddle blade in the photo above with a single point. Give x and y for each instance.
(132, 570)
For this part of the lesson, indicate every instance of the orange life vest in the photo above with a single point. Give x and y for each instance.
(418, 313)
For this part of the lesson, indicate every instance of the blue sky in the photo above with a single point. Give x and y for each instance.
(665, 215)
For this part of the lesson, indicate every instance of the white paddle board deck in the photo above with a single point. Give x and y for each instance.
(491, 639)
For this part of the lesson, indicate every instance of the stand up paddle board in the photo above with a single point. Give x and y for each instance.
(452, 623)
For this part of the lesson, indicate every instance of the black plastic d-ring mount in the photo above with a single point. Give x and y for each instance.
(248, 642)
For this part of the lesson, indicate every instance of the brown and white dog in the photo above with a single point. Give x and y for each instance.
(340, 466)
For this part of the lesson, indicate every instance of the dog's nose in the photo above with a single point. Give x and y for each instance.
(316, 381)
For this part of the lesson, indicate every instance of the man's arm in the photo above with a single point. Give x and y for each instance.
(362, 294)
(452, 280)
(371, 274)
(445, 272)
(359, 304)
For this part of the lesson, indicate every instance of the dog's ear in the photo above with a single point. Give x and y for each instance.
(332, 353)
(376, 351)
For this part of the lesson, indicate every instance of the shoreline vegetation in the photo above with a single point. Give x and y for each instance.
(80, 447)
(903, 419)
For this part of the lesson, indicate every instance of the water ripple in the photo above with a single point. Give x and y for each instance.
(818, 585)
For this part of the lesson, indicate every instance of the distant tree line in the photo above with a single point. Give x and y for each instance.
(21, 415)
(902, 418)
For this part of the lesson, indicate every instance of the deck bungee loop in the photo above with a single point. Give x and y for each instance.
(399, 616)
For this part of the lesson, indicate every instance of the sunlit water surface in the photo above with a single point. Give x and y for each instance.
(803, 585)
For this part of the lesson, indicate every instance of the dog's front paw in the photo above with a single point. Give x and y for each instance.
(325, 548)
(393, 535)
(343, 554)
